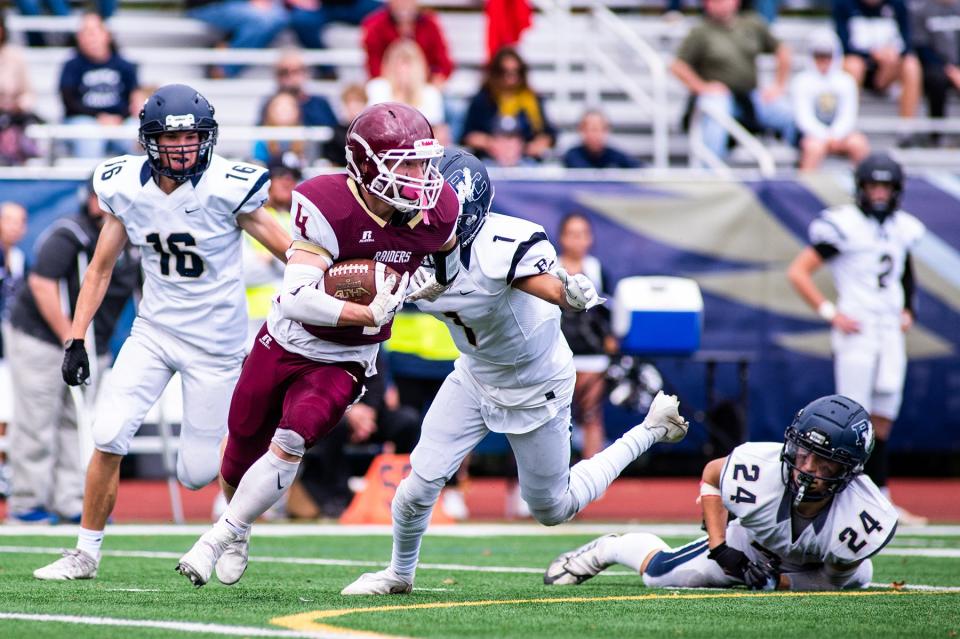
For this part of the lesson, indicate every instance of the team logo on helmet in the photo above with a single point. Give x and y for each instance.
(864, 431)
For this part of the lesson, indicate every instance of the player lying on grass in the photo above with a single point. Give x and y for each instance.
(797, 516)
(515, 376)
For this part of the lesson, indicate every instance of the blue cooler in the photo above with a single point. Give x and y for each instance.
(658, 315)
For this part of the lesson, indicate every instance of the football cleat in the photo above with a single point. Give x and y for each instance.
(575, 567)
(75, 564)
(233, 562)
(197, 565)
(384, 582)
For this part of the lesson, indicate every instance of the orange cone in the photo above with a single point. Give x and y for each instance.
(372, 504)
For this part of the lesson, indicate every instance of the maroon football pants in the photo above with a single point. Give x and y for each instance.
(280, 389)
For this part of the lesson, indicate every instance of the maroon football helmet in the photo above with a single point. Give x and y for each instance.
(381, 139)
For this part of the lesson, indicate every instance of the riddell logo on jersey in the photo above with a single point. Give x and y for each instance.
(366, 237)
(392, 256)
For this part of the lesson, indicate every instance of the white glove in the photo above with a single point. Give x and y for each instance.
(580, 292)
(664, 417)
(388, 300)
(424, 286)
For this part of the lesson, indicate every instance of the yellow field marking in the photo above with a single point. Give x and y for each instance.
(308, 621)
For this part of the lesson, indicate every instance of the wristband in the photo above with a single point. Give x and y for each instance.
(709, 489)
(827, 310)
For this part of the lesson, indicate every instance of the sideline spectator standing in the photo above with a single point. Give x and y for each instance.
(876, 46)
(504, 94)
(13, 226)
(825, 103)
(593, 152)
(95, 84)
(404, 19)
(47, 474)
(717, 62)
(867, 246)
(936, 37)
(588, 334)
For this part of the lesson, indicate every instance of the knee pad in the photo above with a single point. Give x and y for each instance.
(290, 442)
(198, 465)
(415, 495)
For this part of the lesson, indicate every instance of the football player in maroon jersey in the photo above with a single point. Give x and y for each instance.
(310, 359)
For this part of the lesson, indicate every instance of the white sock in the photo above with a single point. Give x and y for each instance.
(631, 549)
(89, 541)
(411, 510)
(262, 485)
(590, 478)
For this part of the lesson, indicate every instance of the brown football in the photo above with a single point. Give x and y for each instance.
(356, 280)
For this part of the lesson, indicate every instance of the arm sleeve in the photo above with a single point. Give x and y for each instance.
(909, 287)
(847, 108)
(57, 256)
(303, 298)
(832, 577)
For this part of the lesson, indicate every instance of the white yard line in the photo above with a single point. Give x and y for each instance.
(180, 626)
(454, 530)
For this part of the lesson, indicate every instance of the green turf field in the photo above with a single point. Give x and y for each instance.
(469, 587)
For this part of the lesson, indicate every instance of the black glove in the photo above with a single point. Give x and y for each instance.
(76, 366)
(756, 575)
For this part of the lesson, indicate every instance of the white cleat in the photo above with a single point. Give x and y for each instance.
(663, 417)
(197, 565)
(75, 564)
(233, 562)
(575, 567)
(385, 582)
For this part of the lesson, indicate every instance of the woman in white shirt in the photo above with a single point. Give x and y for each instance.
(405, 79)
(825, 105)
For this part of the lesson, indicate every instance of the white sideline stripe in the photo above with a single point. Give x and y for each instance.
(946, 553)
(453, 530)
(179, 626)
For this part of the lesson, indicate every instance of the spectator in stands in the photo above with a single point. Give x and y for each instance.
(588, 334)
(404, 19)
(405, 80)
(825, 103)
(593, 152)
(877, 48)
(717, 62)
(249, 24)
(283, 109)
(291, 73)
(506, 93)
(13, 226)
(377, 420)
(506, 144)
(262, 272)
(309, 18)
(47, 476)
(95, 84)
(16, 101)
(353, 100)
(936, 37)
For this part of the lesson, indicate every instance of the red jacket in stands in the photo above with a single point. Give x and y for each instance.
(380, 30)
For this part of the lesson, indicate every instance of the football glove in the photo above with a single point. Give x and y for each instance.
(425, 286)
(76, 364)
(384, 306)
(755, 574)
(579, 291)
